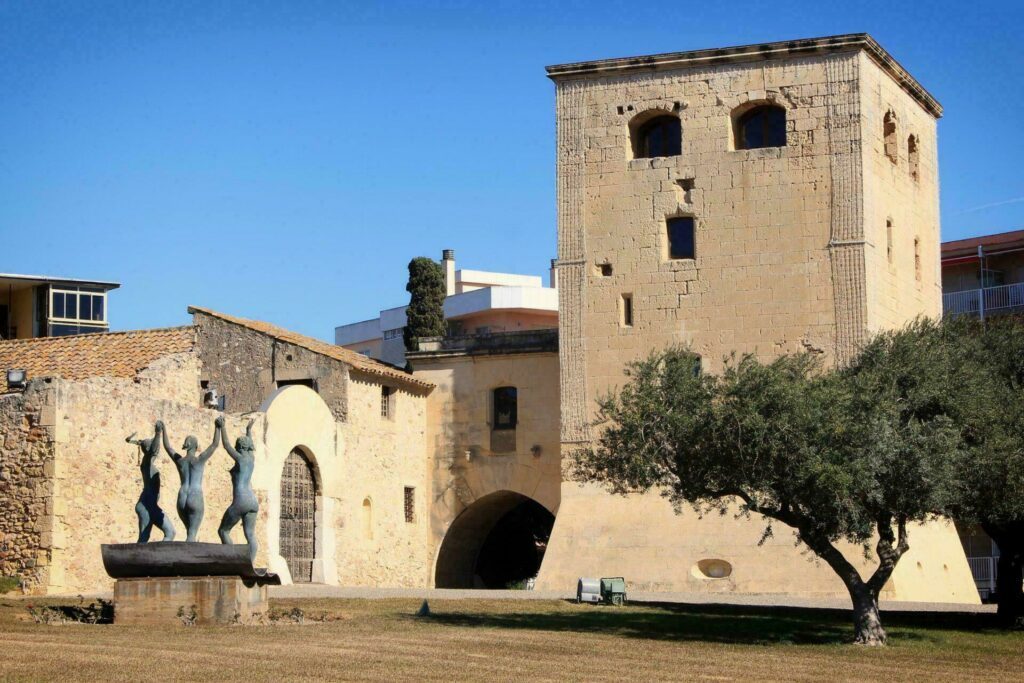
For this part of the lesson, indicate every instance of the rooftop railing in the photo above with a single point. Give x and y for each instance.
(1001, 299)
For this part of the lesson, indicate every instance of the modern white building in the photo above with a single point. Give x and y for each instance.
(478, 303)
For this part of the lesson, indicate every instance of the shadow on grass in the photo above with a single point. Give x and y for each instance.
(733, 624)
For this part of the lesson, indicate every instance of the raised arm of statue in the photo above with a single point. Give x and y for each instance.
(225, 440)
(131, 440)
(205, 455)
(174, 455)
(154, 443)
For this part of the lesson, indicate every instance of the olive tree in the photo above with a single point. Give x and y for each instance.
(425, 314)
(988, 486)
(836, 456)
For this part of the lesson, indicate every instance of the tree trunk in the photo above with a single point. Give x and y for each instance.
(1009, 588)
(867, 624)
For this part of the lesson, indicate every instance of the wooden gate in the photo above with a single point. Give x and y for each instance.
(298, 505)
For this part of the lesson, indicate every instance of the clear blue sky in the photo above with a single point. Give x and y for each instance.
(285, 160)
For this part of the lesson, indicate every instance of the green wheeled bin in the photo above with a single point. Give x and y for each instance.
(613, 590)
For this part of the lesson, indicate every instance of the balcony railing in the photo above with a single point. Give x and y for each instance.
(984, 570)
(1001, 299)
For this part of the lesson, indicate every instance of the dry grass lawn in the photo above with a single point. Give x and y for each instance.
(513, 640)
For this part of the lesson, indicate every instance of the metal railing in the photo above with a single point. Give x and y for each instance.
(985, 572)
(996, 300)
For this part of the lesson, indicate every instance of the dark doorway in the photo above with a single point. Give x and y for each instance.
(298, 508)
(498, 542)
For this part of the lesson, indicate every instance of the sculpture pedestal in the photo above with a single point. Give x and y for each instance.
(205, 599)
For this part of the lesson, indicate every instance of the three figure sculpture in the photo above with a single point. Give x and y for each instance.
(244, 506)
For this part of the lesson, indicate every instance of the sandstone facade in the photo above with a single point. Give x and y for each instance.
(792, 253)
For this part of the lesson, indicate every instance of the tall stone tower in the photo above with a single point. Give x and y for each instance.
(768, 199)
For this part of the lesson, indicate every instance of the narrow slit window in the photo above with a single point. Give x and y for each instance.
(917, 259)
(913, 158)
(386, 396)
(889, 136)
(626, 307)
(888, 239)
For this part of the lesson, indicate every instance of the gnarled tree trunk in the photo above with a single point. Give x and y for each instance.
(867, 624)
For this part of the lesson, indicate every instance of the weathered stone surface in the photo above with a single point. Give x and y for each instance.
(200, 600)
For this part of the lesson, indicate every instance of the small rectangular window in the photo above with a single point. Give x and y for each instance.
(410, 504)
(385, 402)
(681, 238)
(627, 310)
(85, 306)
(71, 306)
(97, 308)
(58, 305)
(506, 409)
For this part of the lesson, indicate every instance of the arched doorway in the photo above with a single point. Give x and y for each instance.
(497, 542)
(298, 508)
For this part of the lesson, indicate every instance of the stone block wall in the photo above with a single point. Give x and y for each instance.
(464, 468)
(96, 479)
(381, 457)
(245, 366)
(903, 194)
(26, 484)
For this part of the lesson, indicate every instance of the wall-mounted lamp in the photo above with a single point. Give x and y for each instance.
(16, 378)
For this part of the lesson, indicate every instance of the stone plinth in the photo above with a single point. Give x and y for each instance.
(211, 599)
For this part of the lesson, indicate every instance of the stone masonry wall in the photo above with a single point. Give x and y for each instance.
(26, 486)
(96, 479)
(459, 424)
(896, 290)
(383, 455)
(765, 279)
(244, 366)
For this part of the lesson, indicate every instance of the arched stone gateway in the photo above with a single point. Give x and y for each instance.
(298, 514)
(496, 542)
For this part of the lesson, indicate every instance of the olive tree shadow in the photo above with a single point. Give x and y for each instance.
(714, 623)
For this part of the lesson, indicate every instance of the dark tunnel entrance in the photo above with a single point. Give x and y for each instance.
(497, 542)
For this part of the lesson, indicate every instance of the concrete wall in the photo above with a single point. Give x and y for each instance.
(463, 465)
(244, 366)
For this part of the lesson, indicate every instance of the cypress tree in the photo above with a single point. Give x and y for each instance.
(425, 315)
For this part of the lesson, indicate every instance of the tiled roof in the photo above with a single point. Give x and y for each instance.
(356, 360)
(106, 354)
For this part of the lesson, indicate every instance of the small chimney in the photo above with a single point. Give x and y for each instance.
(448, 261)
(553, 274)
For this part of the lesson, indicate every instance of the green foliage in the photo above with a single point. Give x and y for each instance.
(9, 583)
(848, 455)
(425, 315)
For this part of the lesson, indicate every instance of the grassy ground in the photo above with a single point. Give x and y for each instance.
(513, 640)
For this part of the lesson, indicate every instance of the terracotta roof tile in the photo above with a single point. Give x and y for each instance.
(356, 360)
(106, 354)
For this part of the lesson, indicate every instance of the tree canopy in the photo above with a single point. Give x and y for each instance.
(852, 455)
(425, 314)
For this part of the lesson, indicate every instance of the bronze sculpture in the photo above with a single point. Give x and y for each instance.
(148, 507)
(190, 470)
(244, 506)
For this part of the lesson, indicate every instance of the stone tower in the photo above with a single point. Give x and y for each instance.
(768, 199)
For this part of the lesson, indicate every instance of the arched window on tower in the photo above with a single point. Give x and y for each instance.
(661, 136)
(761, 126)
(889, 136)
(913, 158)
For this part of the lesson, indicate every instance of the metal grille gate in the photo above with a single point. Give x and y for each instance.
(298, 504)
